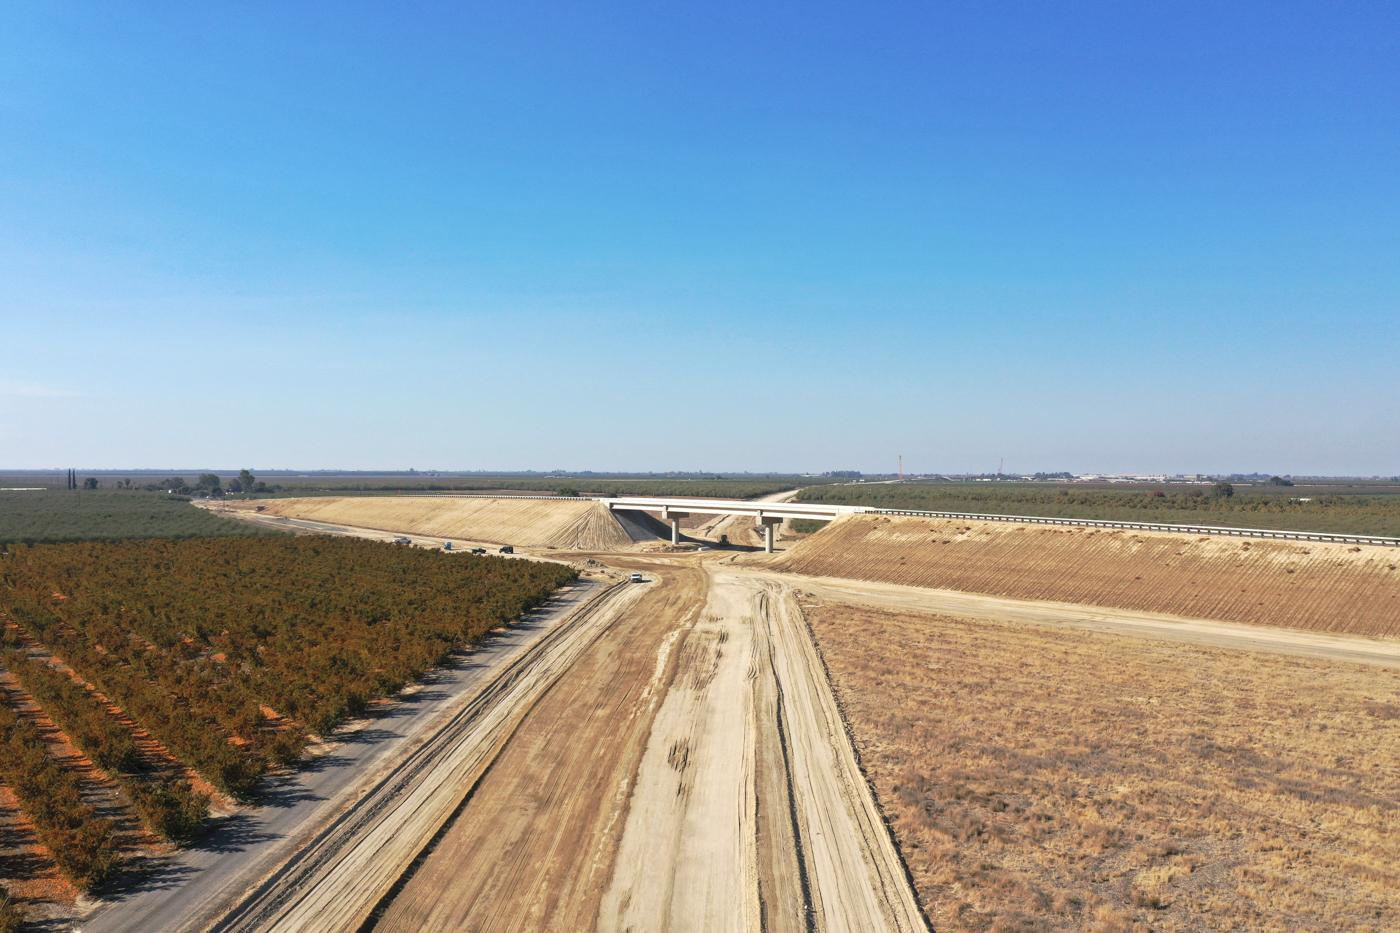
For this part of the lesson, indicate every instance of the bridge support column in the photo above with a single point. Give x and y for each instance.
(768, 522)
(674, 518)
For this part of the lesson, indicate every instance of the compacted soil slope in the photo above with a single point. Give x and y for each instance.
(1324, 587)
(1057, 780)
(546, 523)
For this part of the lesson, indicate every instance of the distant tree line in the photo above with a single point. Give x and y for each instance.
(32, 518)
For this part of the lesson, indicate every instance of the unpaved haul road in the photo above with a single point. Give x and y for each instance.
(749, 811)
(197, 884)
(671, 760)
(691, 772)
(1158, 625)
(338, 879)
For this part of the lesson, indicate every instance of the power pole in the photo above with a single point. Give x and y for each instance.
(901, 468)
(1000, 465)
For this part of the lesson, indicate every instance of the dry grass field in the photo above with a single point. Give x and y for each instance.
(1057, 780)
(1322, 587)
(547, 523)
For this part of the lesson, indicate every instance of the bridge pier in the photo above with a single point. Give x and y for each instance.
(768, 521)
(675, 519)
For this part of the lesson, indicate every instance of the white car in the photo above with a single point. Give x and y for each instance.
(401, 541)
(637, 578)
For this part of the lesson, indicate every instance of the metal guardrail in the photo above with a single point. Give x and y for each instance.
(1319, 536)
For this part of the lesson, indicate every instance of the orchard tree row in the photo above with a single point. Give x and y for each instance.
(195, 639)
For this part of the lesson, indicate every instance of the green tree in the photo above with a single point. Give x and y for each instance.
(90, 483)
(1222, 490)
(246, 480)
(208, 481)
(567, 491)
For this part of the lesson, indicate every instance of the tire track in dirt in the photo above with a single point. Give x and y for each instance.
(534, 847)
(750, 811)
(337, 879)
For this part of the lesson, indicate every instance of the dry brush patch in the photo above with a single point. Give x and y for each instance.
(1322, 587)
(1057, 780)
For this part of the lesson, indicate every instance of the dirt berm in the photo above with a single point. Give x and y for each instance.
(542, 523)
(1323, 587)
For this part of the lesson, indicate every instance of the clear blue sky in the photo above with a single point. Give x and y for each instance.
(723, 236)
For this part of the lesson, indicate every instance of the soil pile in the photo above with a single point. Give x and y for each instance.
(1323, 587)
(580, 524)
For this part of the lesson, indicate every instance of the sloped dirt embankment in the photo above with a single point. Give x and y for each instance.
(580, 524)
(1322, 587)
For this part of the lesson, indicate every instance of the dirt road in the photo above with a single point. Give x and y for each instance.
(340, 877)
(675, 761)
(691, 772)
(201, 882)
(749, 811)
(1381, 652)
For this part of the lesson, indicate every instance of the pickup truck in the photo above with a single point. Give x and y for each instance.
(401, 541)
(478, 550)
(637, 578)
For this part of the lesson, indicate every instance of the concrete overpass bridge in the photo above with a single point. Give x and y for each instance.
(767, 514)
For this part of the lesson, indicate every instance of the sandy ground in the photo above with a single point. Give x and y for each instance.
(688, 795)
(340, 879)
(199, 883)
(540, 523)
(1043, 777)
(672, 760)
(1353, 590)
(1350, 648)
(748, 811)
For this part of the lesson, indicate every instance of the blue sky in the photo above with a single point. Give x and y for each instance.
(1109, 237)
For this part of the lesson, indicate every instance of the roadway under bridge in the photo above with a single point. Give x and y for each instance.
(767, 514)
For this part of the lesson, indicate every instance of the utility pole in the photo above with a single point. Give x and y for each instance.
(901, 468)
(1000, 465)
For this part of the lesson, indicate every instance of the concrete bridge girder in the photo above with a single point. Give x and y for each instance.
(765, 514)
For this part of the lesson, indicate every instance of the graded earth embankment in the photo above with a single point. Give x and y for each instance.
(549, 523)
(1323, 587)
